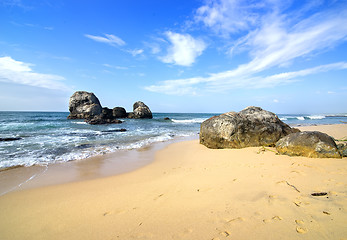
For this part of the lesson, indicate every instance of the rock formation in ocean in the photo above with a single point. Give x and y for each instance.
(119, 112)
(250, 127)
(140, 110)
(308, 144)
(100, 119)
(84, 105)
(106, 117)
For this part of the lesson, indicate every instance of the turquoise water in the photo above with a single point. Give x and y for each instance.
(48, 137)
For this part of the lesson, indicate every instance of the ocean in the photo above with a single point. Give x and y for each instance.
(49, 137)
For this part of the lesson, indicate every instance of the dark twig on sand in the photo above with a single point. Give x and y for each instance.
(292, 186)
(319, 194)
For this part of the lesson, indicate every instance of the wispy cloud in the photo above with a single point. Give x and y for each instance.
(226, 16)
(32, 25)
(272, 40)
(231, 80)
(14, 3)
(115, 67)
(184, 49)
(135, 52)
(13, 71)
(108, 39)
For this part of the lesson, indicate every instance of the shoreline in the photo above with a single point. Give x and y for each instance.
(18, 178)
(191, 192)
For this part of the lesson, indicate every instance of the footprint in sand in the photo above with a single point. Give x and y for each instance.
(272, 198)
(299, 222)
(235, 220)
(297, 172)
(225, 233)
(300, 228)
(274, 218)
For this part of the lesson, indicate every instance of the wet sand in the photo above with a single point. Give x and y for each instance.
(192, 192)
(123, 161)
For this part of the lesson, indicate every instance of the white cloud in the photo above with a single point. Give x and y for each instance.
(229, 16)
(184, 49)
(13, 71)
(109, 39)
(234, 80)
(135, 52)
(115, 67)
(177, 87)
(273, 41)
(155, 48)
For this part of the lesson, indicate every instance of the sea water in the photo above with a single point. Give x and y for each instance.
(49, 137)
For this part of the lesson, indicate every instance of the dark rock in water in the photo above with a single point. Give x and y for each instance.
(250, 127)
(167, 119)
(308, 144)
(140, 110)
(119, 112)
(107, 113)
(342, 147)
(115, 130)
(10, 139)
(83, 105)
(99, 120)
(106, 117)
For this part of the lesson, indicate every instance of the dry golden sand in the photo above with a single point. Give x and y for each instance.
(191, 192)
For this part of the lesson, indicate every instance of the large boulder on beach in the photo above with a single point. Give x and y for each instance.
(250, 127)
(308, 144)
(140, 110)
(84, 105)
(342, 147)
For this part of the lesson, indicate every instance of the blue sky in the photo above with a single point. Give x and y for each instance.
(176, 56)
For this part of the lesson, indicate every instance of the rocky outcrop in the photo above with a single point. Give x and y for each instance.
(140, 110)
(107, 113)
(97, 120)
(84, 105)
(308, 144)
(119, 112)
(250, 127)
(106, 117)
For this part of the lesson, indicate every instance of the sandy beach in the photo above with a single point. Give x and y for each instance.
(191, 192)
